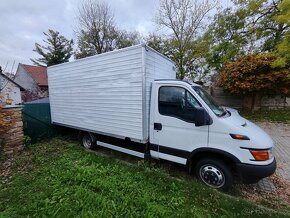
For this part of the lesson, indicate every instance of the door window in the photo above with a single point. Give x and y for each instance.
(177, 102)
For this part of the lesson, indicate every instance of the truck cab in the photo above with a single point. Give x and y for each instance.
(216, 143)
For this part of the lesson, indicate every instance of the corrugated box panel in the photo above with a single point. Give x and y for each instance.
(102, 93)
(108, 93)
(157, 67)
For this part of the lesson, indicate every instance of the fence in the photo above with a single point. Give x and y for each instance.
(226, 99)
(37, 121)
(264, 103)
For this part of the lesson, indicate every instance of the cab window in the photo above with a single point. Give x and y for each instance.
(177, 102)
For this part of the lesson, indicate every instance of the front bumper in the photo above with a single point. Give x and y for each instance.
(249, 173)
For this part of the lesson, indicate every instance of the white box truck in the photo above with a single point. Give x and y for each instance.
(129, 100)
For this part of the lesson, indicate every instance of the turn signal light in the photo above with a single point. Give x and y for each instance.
(261, 155)
(239, 137)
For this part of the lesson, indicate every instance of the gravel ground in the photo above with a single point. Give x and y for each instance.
(280, 133)
(274, 191)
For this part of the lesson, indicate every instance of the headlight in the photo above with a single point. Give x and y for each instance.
(262, 155)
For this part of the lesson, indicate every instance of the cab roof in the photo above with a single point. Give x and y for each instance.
(177, 81)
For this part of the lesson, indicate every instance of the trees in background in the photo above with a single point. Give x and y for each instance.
(184, 21)
(57, 49)
(127, 38)
(198, 46)
(282, 50)
(249, 27)
(225, 39)
(249, 48)
(97, 31)
(253, 75)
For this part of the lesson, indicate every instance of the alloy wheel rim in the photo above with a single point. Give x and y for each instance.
(212, 176)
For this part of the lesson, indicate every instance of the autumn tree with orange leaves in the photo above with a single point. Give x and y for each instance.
(252, 75)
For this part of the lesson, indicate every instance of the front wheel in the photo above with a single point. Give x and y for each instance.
(214, 173)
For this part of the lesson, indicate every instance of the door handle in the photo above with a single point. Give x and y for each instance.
(157, 126)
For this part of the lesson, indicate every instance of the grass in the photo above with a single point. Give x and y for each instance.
(272, 116)
(57, 178)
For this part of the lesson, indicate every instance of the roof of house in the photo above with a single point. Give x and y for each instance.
(39, 74)
(10, 80)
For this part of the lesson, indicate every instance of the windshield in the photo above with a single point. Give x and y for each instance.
(218, 110)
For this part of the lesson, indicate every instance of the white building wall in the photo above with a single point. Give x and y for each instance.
(9, 91)
(25, 80)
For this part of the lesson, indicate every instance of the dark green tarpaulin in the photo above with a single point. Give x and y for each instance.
(37, 122)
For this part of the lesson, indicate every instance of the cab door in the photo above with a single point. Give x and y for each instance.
(175, 135)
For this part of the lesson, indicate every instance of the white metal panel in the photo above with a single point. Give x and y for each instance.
(102, 93)
(107, 93)
(157, 67)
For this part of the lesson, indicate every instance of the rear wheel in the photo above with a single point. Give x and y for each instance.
(88, 140)
(214, 173)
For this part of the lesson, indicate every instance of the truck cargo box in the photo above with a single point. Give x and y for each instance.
(108, 93)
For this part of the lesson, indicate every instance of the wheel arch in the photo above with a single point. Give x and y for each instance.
(200, 153)
(91, 134)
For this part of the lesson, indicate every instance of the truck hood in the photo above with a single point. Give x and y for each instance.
(235, 118)
(238, 125)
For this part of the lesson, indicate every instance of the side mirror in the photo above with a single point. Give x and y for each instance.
(201, 117)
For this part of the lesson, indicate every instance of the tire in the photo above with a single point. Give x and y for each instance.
(88, 140)
(214, 173)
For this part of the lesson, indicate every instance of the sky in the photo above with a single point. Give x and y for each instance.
(24, 21)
